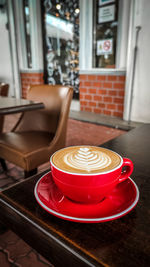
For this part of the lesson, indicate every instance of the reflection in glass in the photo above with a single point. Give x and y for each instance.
(27, 32)
(61, 19)
(105, 34)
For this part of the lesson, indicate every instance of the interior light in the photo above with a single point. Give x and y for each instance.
(77, 10)
(58, 6)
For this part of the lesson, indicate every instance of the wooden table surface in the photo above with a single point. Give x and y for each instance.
(11, 105)
(118, 243)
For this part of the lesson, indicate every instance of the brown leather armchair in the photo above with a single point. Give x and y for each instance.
(38, 134)
(4, 88)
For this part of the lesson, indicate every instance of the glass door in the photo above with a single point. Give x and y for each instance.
(61, 42)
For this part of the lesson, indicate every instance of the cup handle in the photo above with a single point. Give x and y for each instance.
(129, 169)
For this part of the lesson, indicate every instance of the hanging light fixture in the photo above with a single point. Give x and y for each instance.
(58, 6)
(77, 10)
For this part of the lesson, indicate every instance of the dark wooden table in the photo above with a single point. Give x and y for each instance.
(11, 105)
(118, 243)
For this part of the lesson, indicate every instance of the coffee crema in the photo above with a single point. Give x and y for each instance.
(86, 159)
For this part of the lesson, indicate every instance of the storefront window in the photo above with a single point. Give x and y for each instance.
(61, 38)
(105, 33)
(27, 32)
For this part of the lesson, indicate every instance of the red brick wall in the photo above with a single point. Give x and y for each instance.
(28, 79)
(102, 94)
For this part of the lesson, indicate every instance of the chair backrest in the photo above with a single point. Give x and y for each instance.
(4, 87)
(56, 99)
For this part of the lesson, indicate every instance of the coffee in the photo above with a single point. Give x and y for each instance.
(87, 174)
(86, 160)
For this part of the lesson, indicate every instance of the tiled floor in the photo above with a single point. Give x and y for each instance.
(14, 252)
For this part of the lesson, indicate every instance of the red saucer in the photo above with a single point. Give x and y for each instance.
(121, 201)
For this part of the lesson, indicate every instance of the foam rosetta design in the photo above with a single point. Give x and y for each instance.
(87, 160)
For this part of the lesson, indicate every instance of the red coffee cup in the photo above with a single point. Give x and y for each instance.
(89, 187)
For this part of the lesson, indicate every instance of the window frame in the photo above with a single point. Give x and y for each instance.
(36, 36)
(86, 38)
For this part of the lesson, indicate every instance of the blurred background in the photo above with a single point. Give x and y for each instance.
(100, 47)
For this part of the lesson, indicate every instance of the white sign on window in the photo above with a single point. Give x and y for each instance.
(105, 47)
(105, 2)
(106, 14)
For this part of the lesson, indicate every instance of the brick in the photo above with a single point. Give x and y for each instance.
(82, 96)
(36, 74)
(118, 100)
(87, 83)
(102, 92)
(92, 104)
(97, 110)
(81, 84)
(27, 75)
(24, 90)
(83, 103)
(88, 97)
(91, 77)
(98, 98)
(107, 99)
(88, 109)
(112, 92)
(34, 80)
(24, 75)
(107, 85)
(121, 78)
(23, 79)
(25, 84)
(107, 112)
(120, 108)
(112, 78)
(120, 93)
(101, 105)
(117, 114)
(118, 85)
(111, 106)
(97, 84)
(28, 80)
(92, 91)
(24, 94)
(30, 75)
(83, 90)
(101, 78)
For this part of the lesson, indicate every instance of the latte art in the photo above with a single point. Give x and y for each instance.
(84, 159)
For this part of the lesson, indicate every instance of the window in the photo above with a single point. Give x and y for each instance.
(105, 16)
(61, 42)
(27, 33)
